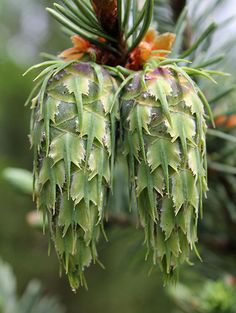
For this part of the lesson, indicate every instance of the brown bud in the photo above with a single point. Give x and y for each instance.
(106, 12)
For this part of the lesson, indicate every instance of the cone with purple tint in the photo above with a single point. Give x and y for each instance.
(72, 140)
(164, 140)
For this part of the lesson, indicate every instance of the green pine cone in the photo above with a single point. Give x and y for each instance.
(164, 134)
(73, 137)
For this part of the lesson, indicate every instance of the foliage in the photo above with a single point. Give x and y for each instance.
(32, 301)
(54, 179)
(213, 297)
(19, 178)
(217, 230)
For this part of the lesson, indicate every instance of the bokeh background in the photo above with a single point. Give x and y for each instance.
(26, 30)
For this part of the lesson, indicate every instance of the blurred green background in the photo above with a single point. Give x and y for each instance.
(25, 31)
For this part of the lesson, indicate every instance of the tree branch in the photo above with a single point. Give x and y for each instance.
(177, 7)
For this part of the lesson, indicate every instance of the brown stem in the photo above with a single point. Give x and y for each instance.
(177, 7)
(223, 246)
(106, 12)
(107, 15)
